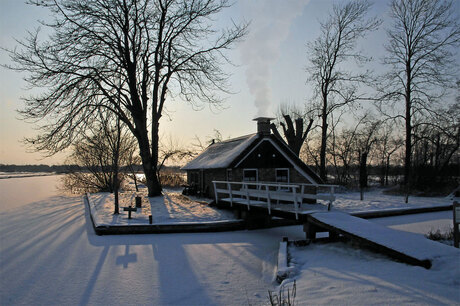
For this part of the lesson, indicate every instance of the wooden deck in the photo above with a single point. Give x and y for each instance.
(403, 246)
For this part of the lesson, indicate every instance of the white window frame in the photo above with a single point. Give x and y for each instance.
(288, 175)
(251, 169)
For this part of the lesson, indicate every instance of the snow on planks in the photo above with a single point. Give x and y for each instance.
(407, 247)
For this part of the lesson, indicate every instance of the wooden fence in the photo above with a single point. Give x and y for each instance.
(268, 193)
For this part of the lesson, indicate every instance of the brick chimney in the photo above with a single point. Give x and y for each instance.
(263, 125)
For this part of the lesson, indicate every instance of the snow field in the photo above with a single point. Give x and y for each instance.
(171, 208)
(375, 199)
(340, 274)
(49, 255)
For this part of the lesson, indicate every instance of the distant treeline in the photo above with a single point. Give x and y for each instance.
(59, 168)
(36, 168)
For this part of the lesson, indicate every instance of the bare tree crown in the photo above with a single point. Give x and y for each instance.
(127, 57)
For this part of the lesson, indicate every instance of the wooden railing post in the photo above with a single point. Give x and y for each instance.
(215, 192)
(302, 192)
(296, 209)
(267, 188)
(245, 186)
(229, 187)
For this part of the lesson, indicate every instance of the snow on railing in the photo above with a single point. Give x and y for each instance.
(267, 192)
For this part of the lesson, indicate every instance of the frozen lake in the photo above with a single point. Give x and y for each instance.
(16, 192)
(50, 255)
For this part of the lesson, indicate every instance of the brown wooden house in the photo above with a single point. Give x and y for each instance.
(259, 157)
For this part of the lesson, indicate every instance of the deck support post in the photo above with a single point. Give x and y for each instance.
(310, 230)
(331, 200)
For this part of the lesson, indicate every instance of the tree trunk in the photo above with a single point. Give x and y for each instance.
(363, 171)
(149, 161)
(387, 170)
(135, 181)
(322, 154)
(116, 162)
(408, 142)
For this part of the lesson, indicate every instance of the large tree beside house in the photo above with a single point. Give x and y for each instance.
(127, 57)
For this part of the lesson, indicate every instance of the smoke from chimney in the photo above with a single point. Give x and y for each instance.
(270, 24)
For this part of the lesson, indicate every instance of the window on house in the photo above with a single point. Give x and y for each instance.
(282, 175)
(250, 175)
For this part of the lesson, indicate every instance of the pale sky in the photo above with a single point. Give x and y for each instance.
(279, 32)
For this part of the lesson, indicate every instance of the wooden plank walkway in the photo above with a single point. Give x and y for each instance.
(404, 246)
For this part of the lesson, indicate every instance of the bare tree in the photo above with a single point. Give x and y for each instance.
(133, 162)
(99, 156)
(127, 57)
(434, 147)
(200, 145)
(366, 141)
(342, 149)
(420, 55)
(293, 131)
(336, 87)
(172, 151)
(387, 143)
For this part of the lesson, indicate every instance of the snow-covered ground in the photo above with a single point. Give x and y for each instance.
(171, 208)
(175, 208)
(339, 274)
(375, 199)
(49, 255)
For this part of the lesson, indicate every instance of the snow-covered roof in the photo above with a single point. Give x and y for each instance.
(221, 154)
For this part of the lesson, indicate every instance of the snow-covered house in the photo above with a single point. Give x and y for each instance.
(259, 157)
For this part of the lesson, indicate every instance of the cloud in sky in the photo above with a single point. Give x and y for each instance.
(270, 25)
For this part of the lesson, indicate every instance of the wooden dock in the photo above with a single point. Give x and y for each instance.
(403, 246)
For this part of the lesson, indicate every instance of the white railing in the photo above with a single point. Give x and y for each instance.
(267, 192)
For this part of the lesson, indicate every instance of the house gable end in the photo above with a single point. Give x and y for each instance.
(264, 155)
(284, 155)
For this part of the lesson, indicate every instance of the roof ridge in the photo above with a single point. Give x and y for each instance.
(236, 138)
